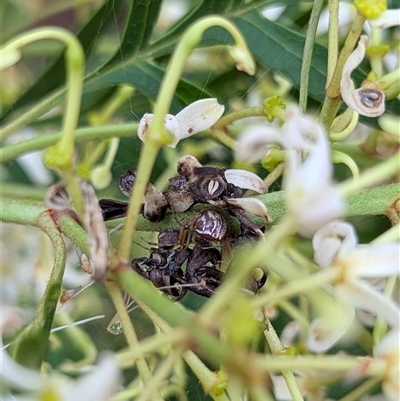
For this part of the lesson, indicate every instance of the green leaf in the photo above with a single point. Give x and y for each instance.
(146, 77)
(165, 44)
(279, 50)
(54, 75)
(143, 15)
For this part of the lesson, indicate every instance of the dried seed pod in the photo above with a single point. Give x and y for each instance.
(168, 238)
(97, 233)
(210, 183)
(179, 200)
(126, 182)
(155, 204)
(186, 165)
(179, 181)
(57, 197)
(113, 209)
(210, 225)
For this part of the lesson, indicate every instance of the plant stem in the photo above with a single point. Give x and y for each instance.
(126, 359)
(33, 343)
(130, 335)
(380, 173)
(11, 152)
(277, 349)
(308, 52)
(333, 38)
(333, 100)
(296, 287)
(257, 111)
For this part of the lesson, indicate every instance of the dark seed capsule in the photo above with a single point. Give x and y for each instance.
(369, 97)
(210, 226)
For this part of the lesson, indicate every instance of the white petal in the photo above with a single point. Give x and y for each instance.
(368, 102)
(323, 333)
(314, 211)
(388, 349)
(252, 206)
(361, 295)
(251, 144)
(289, 333)
(199, 116)
(171, 125)
(387, 19)
(246, 179)
(381, 260)
(98, 385)
(17, 376)
(335, 238)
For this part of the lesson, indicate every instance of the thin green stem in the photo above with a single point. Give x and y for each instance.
(277, 349)
(191, 38)
(257, 111)
(308, 52)
(126, 359)
(340, 136)
(130, 335)
(340, 157)
(292, 311)
(333, 38)
(361, 390)
(146, 162)
(274, 174)
(276, 363)
(380, 173)
(165, 367)
(11, 152)
(75, 61)
(33, 343)
(296, 287)
(333, 100)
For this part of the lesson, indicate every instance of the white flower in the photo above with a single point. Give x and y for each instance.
(358, 263)
(309, 191)
(98, 385)
(369, 100)
(194, 118)
(324, 333)
(308, 183)
(387, 19)
(388, 351)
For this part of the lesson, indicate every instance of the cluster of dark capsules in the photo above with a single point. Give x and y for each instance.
(189, 259)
